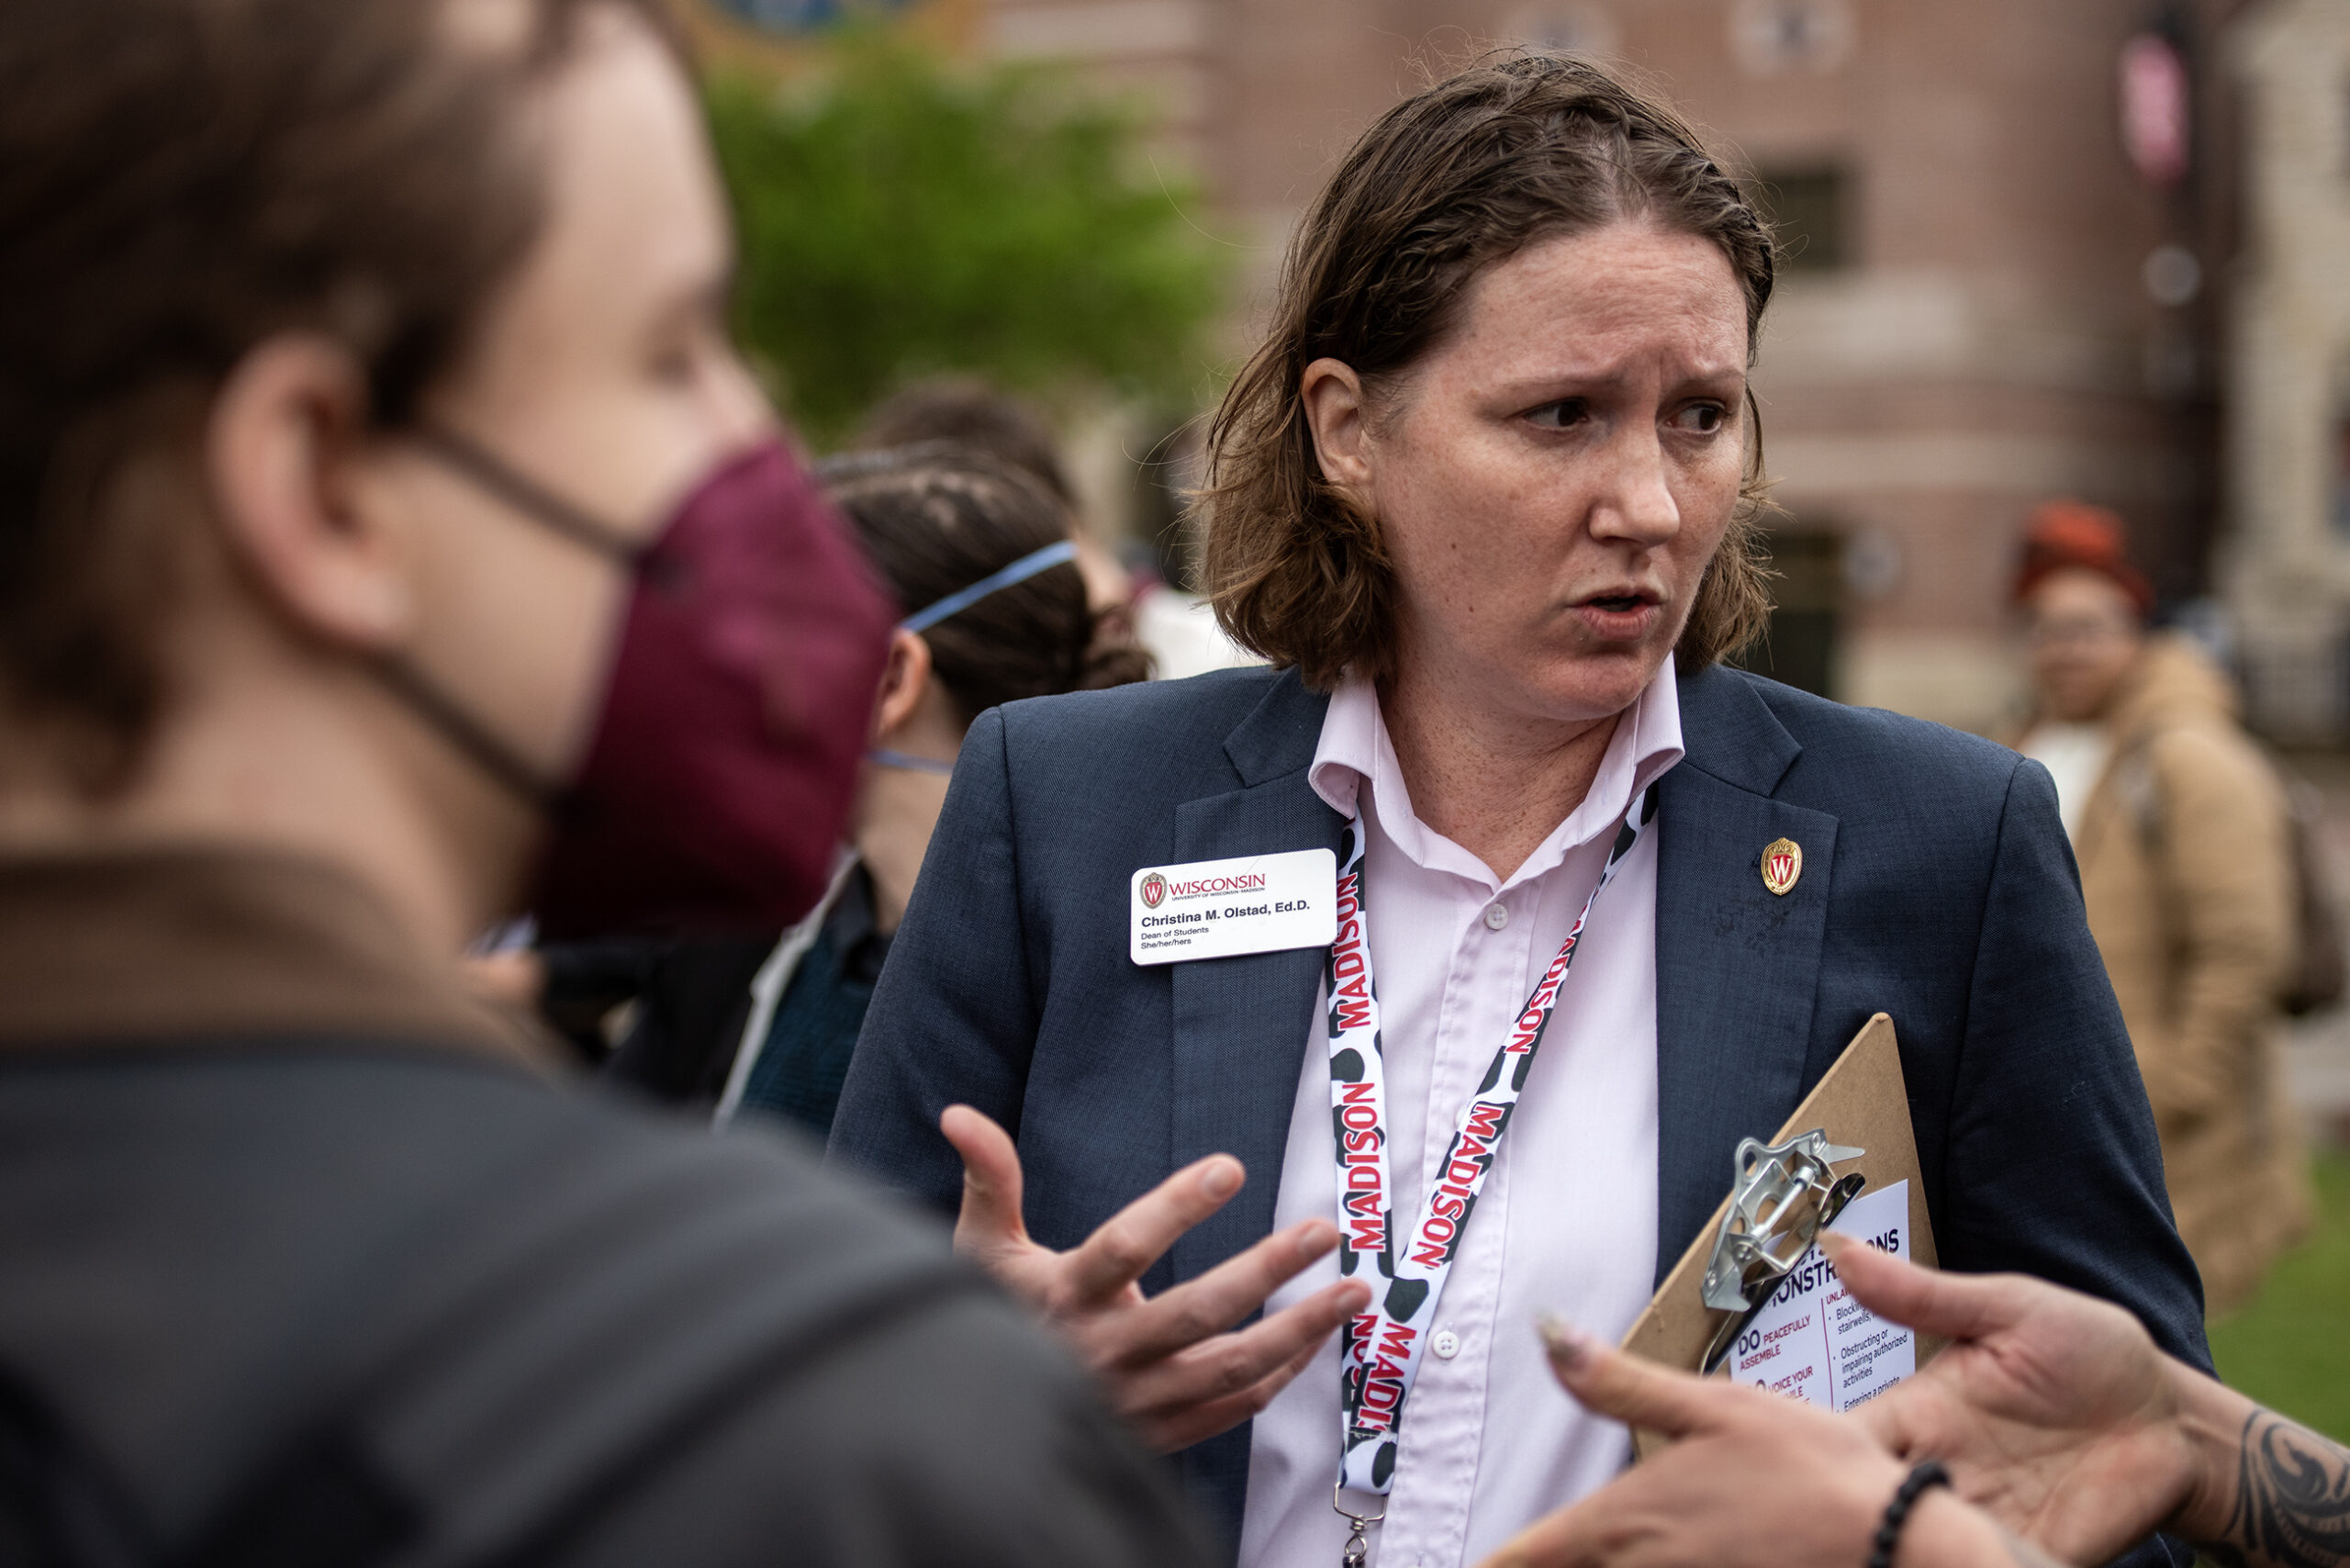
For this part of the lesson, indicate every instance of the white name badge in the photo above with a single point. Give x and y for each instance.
(1215, 909)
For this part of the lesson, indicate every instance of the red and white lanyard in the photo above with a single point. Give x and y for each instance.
(1380, 1350)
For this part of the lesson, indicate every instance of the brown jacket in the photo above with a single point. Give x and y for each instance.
(2186, 861)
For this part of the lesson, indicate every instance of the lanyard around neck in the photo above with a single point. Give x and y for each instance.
(1381, 1349)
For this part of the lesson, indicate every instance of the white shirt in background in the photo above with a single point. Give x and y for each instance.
(2075, 756)
(1179, 630)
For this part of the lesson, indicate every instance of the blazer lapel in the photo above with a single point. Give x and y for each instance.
(1737, 966)
(1241, 1024)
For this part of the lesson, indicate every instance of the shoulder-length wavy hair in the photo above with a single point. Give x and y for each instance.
(1449, 182)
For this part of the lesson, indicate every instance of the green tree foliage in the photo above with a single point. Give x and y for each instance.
(901, 217)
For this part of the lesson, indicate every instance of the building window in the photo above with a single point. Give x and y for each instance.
(1808, 613)
(1807, 211)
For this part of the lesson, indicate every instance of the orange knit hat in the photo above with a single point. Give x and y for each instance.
(2077, 535)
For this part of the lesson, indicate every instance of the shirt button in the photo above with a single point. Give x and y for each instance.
(1446, 1343)
(1495, 917)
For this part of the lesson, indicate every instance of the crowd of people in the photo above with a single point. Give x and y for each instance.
(455, 748)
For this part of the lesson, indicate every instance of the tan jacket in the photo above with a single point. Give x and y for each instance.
(2185, 860)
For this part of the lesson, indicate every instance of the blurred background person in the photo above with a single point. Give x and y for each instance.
(993, 613)
(979, 557)
(392, 540)
(1175, 627)
(975, 414)
(2189, 867)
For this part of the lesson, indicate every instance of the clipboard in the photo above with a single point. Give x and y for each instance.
(1861, 1102)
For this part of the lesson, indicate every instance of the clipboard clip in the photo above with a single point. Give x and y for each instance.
(1785, 1194)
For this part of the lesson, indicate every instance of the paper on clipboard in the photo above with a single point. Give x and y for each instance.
(1860, 1101)
(1811, 1340)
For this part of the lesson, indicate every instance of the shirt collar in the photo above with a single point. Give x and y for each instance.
(1355, 750)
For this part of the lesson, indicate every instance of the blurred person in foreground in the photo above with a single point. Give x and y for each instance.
(979, 557)
(2063, 1433)
(2184, 840)
(389, 538)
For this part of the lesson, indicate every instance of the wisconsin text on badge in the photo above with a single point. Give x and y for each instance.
(1218, 909)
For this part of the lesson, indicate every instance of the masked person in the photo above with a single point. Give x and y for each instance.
(2186, 852)
(979, 557)
(1600, 907)
(390, 540)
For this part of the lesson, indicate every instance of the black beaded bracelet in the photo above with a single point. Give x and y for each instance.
(1926, 1474)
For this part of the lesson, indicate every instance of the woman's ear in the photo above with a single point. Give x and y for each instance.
(283, 445)
(905, 680)
(1335, 411)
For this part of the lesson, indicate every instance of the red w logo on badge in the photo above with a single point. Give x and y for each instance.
(1153, 891)
(1782, 864)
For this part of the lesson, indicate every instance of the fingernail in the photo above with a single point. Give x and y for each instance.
(1834, 1244)
(1315, 1240)
(1569, 1346)
(1220, 1180)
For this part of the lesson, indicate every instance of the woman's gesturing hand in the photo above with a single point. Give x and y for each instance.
(2054, 1410)
(1171, 1364)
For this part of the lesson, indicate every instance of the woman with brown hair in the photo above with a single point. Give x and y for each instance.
(1484, 496)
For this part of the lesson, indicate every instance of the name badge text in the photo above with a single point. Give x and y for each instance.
(1217, 909)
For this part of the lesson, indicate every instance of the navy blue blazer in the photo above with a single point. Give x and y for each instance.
(1937, 887)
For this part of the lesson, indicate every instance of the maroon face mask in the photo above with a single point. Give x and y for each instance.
(718, 780)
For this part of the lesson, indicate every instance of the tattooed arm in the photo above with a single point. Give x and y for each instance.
(2271, 1494)
(2059, 1417)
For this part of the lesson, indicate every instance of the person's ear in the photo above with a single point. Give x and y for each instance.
(283, 451)
(1337, 414)
(904, 681)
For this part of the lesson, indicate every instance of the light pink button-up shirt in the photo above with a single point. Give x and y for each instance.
(1568, 1220)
